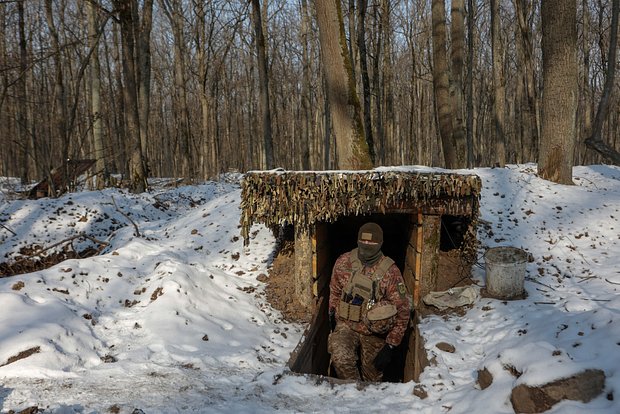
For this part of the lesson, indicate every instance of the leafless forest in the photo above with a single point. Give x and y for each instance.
(192, 88)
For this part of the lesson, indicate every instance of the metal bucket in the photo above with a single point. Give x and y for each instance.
(505, 272)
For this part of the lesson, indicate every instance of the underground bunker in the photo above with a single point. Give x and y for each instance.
(428, 220)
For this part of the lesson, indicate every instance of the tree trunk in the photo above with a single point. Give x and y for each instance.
(263, 78)
(59, 107)
(143, 51)
(210, 153)
(529, 105)
(306, 87)
(95, 98)
(173, 10)
(441, 84)
(559, 49)
(126, 18)
(351, 146)
(471, 13)
(22, 115)
(458, 57)
(499, 107)
(595, 141)
(362, 5)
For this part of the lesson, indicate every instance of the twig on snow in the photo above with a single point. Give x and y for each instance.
(135, 226)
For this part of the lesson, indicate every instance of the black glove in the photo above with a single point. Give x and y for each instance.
(383, 358)
(332, 319)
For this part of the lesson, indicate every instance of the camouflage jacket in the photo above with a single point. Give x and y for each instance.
(392, 289)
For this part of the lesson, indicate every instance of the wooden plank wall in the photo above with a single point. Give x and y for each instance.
(303, 269)
(411, 278)
(310, 356)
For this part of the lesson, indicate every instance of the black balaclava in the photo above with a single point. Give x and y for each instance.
(369, 254)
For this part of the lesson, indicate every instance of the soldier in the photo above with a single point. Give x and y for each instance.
(368, 309)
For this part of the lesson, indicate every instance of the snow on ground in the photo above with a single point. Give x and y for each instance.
(174, 320)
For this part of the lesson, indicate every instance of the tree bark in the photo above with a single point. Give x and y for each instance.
(143, 51)
(59, 107)
(95, 98)
(362, 6)
(441, 84)
(530, 122)
(559, 105)
(351, 146)
(595, 141)
(128, 25)
(263, 78)
(499, 96)
(458, 57)
(471, 12)
(23, 137)
(306, 87)
(173, 10)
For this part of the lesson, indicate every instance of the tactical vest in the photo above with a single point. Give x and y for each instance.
(362, 291)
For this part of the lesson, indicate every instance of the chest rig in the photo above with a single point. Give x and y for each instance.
(362, 290)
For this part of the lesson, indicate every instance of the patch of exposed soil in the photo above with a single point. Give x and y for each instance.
(453, 271)
(26, 264)
(280, 287)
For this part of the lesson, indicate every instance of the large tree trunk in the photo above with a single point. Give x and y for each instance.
(95, 98)
(143, 51)
(362, 5)
(185, 163)
(351, 146)
(499, 107)
(210, 152)
(23, 138)
(470, 82)
(306, 87)
(128, 24)
(559, 110)
(383, 85)
(59, 107)
(263, 78)
(528, 104)
(595, 141)
(458, 57)
(441, 84)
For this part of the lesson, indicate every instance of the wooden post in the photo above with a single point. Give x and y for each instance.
(411, 277)
(431, 233)
(303, 269)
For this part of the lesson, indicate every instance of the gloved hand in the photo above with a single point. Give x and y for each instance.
(383, 358)
(332, 319)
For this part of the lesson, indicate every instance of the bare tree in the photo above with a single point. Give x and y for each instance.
(441, 84)
(527, 114)
(173, 9)
(499, 98)
(128, 19)
(559, 103)
(95, 96)
(456, 87)
(595, 140)
(351, 147)
(263, 75)
(362, 6)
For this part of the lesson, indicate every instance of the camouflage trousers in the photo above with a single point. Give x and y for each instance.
(353, 353)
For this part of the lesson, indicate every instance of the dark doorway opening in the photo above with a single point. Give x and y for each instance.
(405, 242)
(396, 235)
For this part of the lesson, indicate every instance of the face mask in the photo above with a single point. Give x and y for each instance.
(368, 253)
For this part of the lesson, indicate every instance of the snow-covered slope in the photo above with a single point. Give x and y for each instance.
(174, 320)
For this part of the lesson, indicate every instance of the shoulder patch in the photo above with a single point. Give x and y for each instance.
(402, 290)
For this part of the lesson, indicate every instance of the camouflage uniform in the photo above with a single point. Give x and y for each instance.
(349, 336)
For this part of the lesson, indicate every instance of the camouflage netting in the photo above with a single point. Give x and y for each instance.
(304, 198)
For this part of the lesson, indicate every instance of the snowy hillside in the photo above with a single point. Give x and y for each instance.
(175, 320)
